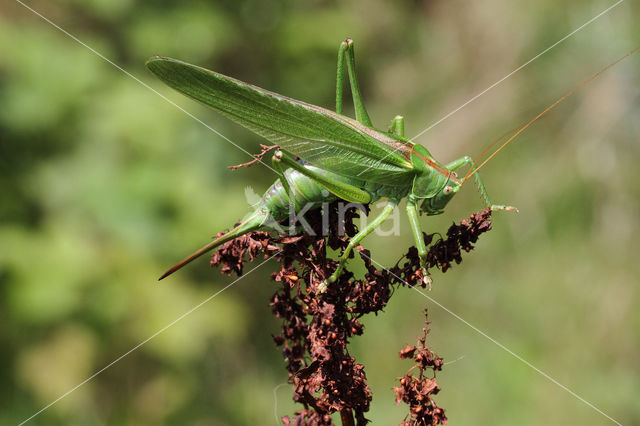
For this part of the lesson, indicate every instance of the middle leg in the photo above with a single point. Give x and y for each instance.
(397, 125)
(416, 230)
(388, 209)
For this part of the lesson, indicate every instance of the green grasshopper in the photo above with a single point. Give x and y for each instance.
(323, 155)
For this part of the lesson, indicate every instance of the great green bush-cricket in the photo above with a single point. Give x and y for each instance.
(323, 155)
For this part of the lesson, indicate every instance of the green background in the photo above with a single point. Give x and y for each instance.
(103, 185)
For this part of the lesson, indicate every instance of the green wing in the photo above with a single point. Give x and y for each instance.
(319, 136)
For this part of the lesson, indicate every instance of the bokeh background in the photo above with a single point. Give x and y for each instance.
(103, 184)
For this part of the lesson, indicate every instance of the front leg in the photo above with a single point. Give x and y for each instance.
(466, 160)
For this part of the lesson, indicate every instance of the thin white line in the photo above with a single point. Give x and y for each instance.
(455, 360)
(143, 83)
(501, 80)
(500, 345)
(517, 69)
(518, 357)
(275, 401)
(162, 330)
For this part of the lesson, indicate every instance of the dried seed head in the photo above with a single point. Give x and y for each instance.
(325, 377)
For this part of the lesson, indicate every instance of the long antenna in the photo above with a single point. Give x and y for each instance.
(484, 151)
(550, 107)
(482, 154)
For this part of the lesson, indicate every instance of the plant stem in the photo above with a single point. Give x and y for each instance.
(346, 417)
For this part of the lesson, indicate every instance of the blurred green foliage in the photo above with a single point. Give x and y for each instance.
(103, 184)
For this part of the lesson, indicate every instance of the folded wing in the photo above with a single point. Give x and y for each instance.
(317, 135)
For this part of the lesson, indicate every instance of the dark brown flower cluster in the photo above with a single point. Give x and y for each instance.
(417, 391)
(459, 237)
(316, 328)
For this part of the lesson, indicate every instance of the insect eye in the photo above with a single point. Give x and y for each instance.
(448, 190)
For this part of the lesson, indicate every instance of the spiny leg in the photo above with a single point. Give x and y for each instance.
(416, 230)
(466, 160)
(388, 209)
(341, 189)
(346, 53)
(346, 192)
(397, 125)
(276, 160)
